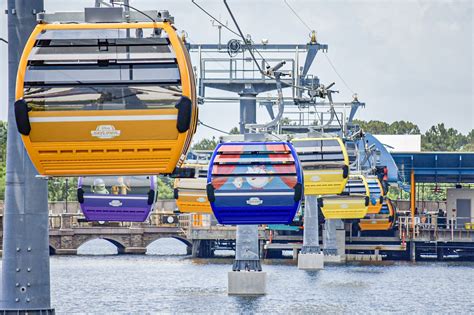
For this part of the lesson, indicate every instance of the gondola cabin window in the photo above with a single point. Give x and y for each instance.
(117, 185)
(101, 70)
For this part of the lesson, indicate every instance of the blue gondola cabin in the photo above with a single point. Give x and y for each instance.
(254, 183)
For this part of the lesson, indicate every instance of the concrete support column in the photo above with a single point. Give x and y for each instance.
(246, 277)
(248, 108)
(310, 257)
(195, 249)
(247, 249)
(25, 284)
(330, 241)
(412, 251)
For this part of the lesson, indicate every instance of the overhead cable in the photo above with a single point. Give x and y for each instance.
(133, 8)
(210, 127)
(337, 73)
(326, 55)
(296, 14)
(212, 17)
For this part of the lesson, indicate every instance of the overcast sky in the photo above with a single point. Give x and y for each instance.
(408, 60)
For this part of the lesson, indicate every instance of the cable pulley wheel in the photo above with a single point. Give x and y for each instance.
(234, 47)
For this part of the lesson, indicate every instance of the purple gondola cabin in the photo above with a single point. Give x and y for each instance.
(117, 198)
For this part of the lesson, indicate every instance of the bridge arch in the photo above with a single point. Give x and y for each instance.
(153, 248)
(117, 243)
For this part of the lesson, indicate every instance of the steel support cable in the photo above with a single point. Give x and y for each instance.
(213, 128)
(133, 8)
(249, 47)
(268, 75)
(258, 52)
(297, 15)
(337, 73)
(228, 133)
(225, 26)
(141, 12)
(325, 54)
(247, 44)
(212, 17)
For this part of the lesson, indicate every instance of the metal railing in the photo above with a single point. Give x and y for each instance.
(193, 220)
(230, 70)
(433, 225)
(68, 221)
(241, 68)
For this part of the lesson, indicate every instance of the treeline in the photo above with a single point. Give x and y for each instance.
(437, 138)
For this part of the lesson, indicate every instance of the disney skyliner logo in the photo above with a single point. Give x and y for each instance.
(105, 132)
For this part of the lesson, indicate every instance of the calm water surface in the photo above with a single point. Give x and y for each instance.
(166, 282)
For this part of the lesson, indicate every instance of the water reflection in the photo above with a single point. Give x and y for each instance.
(167, 247)
(97, 247)
(180, 284)
(247, 304)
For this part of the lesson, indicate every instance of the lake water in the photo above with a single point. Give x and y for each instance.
(167, 281)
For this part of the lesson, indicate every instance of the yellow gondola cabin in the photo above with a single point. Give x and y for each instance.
(325, 165)
(190, 193)
(353, 203)
(382, 221)
(105, 98)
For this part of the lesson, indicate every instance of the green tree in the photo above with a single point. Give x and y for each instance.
(403, 127)
(440, 138)
(469, 146)
(376, 127)
(234, 131)
(57, 189)
(165, 187)
(205, 144)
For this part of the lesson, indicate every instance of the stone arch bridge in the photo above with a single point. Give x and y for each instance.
(67, 234)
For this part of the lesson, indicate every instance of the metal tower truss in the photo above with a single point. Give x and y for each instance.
(318, 116)
(230, 68)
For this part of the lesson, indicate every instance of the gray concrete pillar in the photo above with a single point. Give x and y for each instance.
(195, 250)
(310, 257)
(25, 272)
(247, 255)
(248, 108)
(330, 238)
(246, 277)
(311, 226)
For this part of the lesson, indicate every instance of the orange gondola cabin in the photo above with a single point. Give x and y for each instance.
(105, 98)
